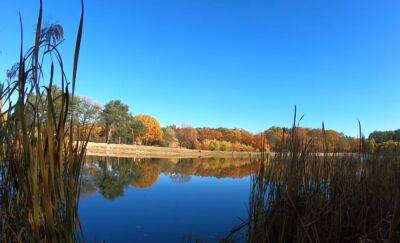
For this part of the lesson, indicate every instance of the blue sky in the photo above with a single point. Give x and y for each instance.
(231, 63)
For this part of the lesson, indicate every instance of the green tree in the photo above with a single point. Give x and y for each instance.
(372, 146)
(169, 137)
(87, 111)
(138, 130)
(381, 136)
(109, 185)
(116, 120)
(274, 136)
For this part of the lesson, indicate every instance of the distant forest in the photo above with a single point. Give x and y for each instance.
(114, 123)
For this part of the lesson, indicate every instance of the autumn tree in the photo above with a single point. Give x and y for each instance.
(370, 146)
(332, 140)
(344, 144)
(204, 133)
(389, 146)
(169, 137)
(153, 132)
(188, 137)
(260, 142)
(274, 136)
(246, 137)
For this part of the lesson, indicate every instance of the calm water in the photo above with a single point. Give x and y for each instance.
(161, 200)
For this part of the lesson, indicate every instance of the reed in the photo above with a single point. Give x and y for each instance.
(40, 162)
(300, 196)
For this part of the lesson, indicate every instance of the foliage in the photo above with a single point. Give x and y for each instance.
(40, 161)
(52, 35)
(116, 124)
(153, 133)
(216, 145)
(169, 138)
(188, 137)
(299, 196)
(139, 130)
(331, 140)
(113, 175)
(325, 199)
(116, 120)
(87, 111)
(225, 134)
(389, 146)
(385, 136)
(274, 136)
(109, 184)
(260, 142)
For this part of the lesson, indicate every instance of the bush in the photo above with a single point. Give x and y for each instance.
(215, 145)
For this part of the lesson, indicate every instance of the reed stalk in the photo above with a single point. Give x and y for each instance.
(300, 196)
(40, 161)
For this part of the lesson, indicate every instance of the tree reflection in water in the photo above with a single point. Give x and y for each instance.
(111, 176)
(180, 179)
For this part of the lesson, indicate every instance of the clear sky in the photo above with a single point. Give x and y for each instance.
(231, 63)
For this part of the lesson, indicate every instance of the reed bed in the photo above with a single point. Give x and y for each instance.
(300, 196)
(40, 162)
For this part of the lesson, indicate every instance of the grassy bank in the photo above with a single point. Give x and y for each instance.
(130, 151)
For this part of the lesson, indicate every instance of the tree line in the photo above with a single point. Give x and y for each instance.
(387, 141)
(114, 123)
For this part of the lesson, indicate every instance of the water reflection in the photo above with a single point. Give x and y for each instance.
(111, 176)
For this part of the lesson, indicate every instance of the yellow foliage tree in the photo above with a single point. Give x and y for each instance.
(153, 131)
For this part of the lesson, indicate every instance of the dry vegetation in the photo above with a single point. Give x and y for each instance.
(298, 197)
(40, 162)
(302, 197)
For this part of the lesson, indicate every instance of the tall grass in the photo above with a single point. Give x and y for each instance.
(40, 162)
(306, 197)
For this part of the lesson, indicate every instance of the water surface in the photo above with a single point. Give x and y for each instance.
(163, 200)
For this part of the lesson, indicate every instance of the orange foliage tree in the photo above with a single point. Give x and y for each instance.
(188, 137)
(331, 140)
(153, 132)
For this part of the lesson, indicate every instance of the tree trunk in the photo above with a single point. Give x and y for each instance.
(108, 134)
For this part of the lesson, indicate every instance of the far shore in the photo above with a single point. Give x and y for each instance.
(142, 151)
(133, 151)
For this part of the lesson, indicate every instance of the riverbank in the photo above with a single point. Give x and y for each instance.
(132, 151)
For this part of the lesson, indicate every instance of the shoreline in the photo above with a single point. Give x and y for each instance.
(142, 151)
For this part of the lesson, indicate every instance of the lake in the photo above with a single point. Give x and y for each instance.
(163, 200)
